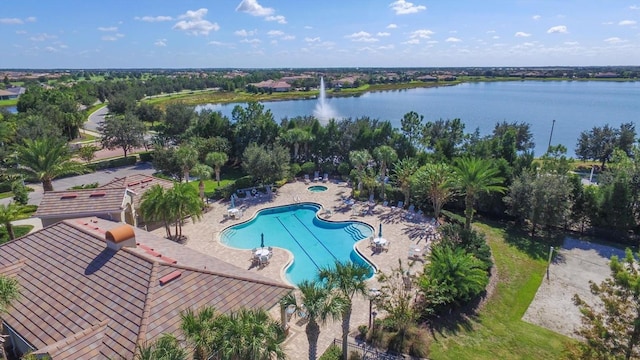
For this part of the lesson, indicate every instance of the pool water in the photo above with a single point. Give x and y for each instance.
(315, 243)
(317, 188)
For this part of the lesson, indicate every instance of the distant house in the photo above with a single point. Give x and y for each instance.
(95, 289)
(427, 78)
(271, 85)
(7, 95)
(118, 200)
(607, 75)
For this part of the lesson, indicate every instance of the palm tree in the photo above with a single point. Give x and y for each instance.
(295, 137)
(437, 180)
(46, 159)
(349, 279)
(9, 292)
(167, 347)
(154, 207)
(185, 201)
(9, 213)
(202, 172)
(319, 304)
(475, 176)
(187, 157)
(248, 334)
(386, 155)
(403, 172)
(360, 159)
(217, 160)
(199, 330)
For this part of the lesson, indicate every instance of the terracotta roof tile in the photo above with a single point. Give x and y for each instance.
(138, 183)
(80, 203)
(81, 300)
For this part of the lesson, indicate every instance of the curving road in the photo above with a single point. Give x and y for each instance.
(95, 118)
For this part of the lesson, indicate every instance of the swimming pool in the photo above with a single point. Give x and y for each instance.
(317, 188)
(315, 243)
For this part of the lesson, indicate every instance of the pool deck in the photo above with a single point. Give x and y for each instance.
(401, 232)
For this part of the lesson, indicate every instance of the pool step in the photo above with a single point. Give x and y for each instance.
(355, 232)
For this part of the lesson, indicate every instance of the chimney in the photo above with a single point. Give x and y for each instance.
(120, 236)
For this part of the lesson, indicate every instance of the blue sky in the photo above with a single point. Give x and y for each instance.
(328, 33)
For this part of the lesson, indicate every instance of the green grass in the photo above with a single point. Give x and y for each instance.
(227, 177)
(10, 102)
(18, 231)
(5, 195)
(498, 331)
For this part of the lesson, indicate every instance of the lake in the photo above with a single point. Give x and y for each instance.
(574, 105)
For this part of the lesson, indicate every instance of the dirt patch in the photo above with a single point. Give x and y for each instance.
(574, 266)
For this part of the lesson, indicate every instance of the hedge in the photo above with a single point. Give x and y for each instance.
(106, 164)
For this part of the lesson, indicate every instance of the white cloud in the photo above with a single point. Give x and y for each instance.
(110, 28)
(21, 32)
(307, 27)
(607, 23)
(50, 49)
(361, 36)
(614, 40)
(153, 18)
(559, 29)
(193, 23)
(275, 33)
(412, 42)
(11, 21)
(277, 18)
(536, 17)
(402, 7)
(312, 40)
(627, 22)
(252, 7)
(491, 31)
(251, 41)
(42, 37)
(31, 19)
(392, 26)
(288, 37)
(245, 33)
(634, 7)
(496, 37)
(432, 42)
(160, 42)
(422, 34)
(381, 34)
(386, 47)
(453, 39)
(109, 38)
(522, 34)
(571, 43)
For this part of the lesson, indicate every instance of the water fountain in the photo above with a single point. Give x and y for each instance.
(323, 111)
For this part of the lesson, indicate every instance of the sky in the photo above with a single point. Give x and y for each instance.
(80, 34)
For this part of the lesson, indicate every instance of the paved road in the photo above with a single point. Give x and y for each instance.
(95, 118)
(102, 177)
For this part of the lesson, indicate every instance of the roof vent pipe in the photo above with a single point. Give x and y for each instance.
(120, 236)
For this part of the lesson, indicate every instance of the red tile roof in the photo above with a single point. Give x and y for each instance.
(81, 300)
(78, 203)
(138, 183)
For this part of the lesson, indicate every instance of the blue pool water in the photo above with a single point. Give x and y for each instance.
(315, 243)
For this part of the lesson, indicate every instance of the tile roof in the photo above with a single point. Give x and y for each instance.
(81, 300)
(84, 202)
(138, 183)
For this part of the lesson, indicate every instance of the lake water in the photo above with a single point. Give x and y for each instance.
(575, 105)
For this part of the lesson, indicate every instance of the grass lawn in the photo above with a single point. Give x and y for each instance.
(10, 102)
(18, 231)
(498, 331)
(5, 195)
(227, 176)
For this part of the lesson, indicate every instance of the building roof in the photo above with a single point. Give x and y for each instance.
(83, 202)
(80, 299)
(138, 183)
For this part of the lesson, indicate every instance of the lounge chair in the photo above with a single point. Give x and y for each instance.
(316, 176)
(385, 203)
(306, 178)
(325, 178)
(263, 260)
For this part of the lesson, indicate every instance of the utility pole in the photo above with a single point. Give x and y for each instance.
(549, 263)
(551, 135)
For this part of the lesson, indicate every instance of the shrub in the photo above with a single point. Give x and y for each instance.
(334, 352)
(107, 164)
(354, 355)
(146, 156)
(20, 193)
(294, 170)
(344, 168)
(244, 182)
(309, 167)
(85, 186)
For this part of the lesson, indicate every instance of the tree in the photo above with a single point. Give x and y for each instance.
(385, 155)
(612, 331)
(125, 132)
(248, 334)
(360, 160)
(199, 329)
(475, 176)
(403, 172)
(318, 303)
(443, 137)
(46, 160)
(295, 137)
(217, 160)
(600, 142)
(411, 125)
(264, 164)
(253, 125)
(9, 292)
(187, 157)
(88, 152)
(185, 202)
(167, 347)
(348, 279)
(148, 113)
(154, 207)
(9, 213)
(437, 182)
(202, 172)
(178, 117)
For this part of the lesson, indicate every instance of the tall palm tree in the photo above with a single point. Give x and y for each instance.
(475, 176)
(360, 159)
(185, 202)
(295, 137)
(167, 347)
(386, 155)
(154, 207)
(199, 329)
(202, 172)
(9, 292)
(349, 279)
(187, 157)
(46, 159)
(217, 160)
(248, 334)
(318, 303)
(403, 171)
(9, 213)
(437, 181)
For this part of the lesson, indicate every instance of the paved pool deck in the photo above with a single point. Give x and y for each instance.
(403, 234)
